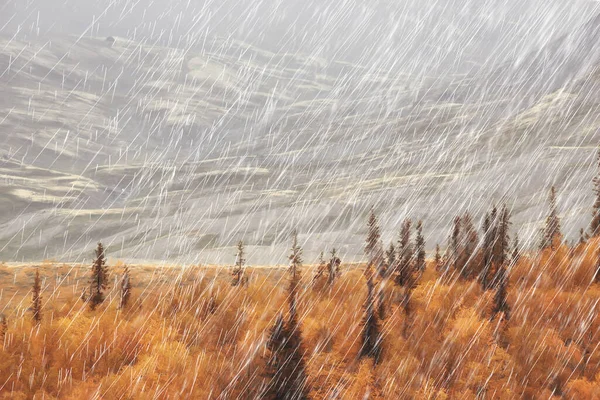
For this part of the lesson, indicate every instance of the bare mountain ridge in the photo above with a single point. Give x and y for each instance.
(165, 153)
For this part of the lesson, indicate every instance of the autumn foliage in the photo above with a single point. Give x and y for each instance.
(188, 333)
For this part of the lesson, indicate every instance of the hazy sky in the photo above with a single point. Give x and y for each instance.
(438, 35)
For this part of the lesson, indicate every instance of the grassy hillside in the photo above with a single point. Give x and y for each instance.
(188, 333)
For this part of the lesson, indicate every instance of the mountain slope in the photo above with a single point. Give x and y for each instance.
(168, 153)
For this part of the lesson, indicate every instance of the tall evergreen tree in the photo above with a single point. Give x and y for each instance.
(373, 248)
(420, 248)
(500, 302)
(455, 242)
(371, 335)
(438, 258)
(390, 259)
(405, 255)
(501, 245)
(381, 305)
(490, 224)
(407, 308)
(333, 266)
(323, 266)
(552, 234)
(238, 269)
(595, 223)
(36, 298)
(295, 256)
(467, 246)
(99, 278)
(125, 289)
(496, 245)
(286, 364)
(516, 251)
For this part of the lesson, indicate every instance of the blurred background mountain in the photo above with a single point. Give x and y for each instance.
(171, 130)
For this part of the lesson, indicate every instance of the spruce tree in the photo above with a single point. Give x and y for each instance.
(390, 259)
(420, 248)
(516, 251)
(286, 365)
(467, 246)
(295, 256)
(323, 266)
(99, 278)
(238, 269)
(405, 255)
(501, 245)
(381, 305)
(438, 258)
(595, 223)
(373, 248)
(125, 289)
(36, 298)
(489, 237)
(500, 302)
(371, 336)
(333, 266)
(496, 245)
(552, 234)
(455, 242)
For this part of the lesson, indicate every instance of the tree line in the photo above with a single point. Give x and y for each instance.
(484, 257)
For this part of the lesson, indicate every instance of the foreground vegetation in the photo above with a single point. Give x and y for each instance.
(190, 333)
(482, 320)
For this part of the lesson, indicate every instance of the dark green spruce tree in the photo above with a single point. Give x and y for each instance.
(371, 333)
(455, 242)
(373, 248)
(238, 269)
(286, 367)
(467, 246)
(502, 245)
(295, 256)
(516, 250)
(490, 224)
(405, 254)
(390, 259)
(552, 235)
(36, 298)
(500, 302)
(99, 278)
(502, 242)
(420, 248)
(438, 258)
(323, 266)
(333, 267)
